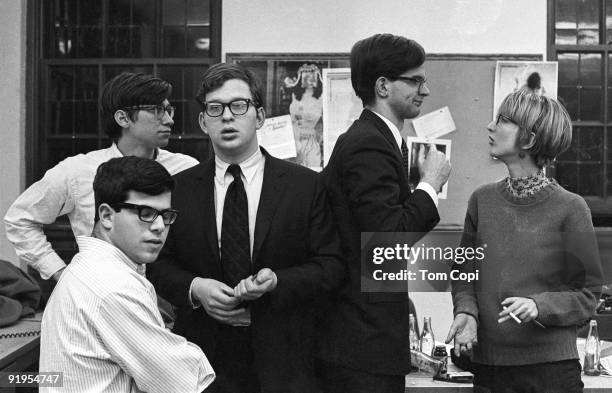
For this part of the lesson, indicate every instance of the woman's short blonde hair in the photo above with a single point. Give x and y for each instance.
(543, 116)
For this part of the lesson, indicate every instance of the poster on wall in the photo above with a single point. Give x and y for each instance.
(293, 85)
(276, 136)
(539, 77)
(341, 107)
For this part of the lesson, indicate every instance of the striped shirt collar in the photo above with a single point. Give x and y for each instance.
(97, 246)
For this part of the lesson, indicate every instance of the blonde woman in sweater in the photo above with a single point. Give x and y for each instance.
(541, 273)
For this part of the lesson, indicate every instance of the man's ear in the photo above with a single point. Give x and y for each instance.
(121, 117)
(261, 117)
(107, 216)
(380, 87)
(202, 123)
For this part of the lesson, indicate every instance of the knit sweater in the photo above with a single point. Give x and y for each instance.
(542, 247)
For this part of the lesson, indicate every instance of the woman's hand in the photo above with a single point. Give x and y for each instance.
(523, 308)
(464, 330)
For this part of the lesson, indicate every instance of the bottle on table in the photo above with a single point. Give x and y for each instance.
(592, 351)
(413, 335)
(427, 338)
(441, 354)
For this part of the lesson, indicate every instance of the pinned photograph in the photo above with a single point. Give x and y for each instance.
(539, 77)
(415, 144)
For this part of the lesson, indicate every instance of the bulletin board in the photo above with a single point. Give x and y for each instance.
(463, 82)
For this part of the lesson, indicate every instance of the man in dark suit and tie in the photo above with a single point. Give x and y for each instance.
(252, 251)
(365, 347)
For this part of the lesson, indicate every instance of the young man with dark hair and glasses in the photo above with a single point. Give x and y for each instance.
(252, 251)
(366, 347)
(101, 326)
(136, 115)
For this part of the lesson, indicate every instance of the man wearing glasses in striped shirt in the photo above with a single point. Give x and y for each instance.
(136, 115)
(102, 327)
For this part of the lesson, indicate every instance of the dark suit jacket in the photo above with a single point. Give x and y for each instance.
(294, 236)
(369, 192)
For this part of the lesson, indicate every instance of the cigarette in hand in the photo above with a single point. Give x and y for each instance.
(514, 316)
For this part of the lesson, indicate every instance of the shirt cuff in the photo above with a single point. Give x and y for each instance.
(48, 265)
(429, 190)
(195, 304)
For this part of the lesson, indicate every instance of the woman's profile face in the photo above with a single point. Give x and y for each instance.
(309, 79)
(503, 135)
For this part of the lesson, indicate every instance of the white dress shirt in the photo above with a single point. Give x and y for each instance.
(102, 329)
(428, 188)
(252, 176)
(67, 188)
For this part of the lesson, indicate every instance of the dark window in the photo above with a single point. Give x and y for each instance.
(80, 44)
(580, 39)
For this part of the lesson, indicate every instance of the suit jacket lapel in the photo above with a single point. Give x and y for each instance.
(204, 193)
(272, 190)
(381, 126)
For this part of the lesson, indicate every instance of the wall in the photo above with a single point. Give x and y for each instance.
(12, 111)
(441, 26)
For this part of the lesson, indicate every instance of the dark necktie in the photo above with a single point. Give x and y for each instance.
(405, 156)
(235, 246)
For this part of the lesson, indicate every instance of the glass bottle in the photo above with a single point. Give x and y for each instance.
(413, 335)
(427, 337)
(441, 355)
(592, 350)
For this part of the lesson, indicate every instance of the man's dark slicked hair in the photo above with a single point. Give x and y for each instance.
(116, 177)
(385, 55)
(220, 73)
(129, 89)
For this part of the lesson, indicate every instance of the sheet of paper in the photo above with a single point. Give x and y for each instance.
(341, 107)
(276, 136)
(434, 124)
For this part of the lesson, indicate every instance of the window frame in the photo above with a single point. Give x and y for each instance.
(38, 78)
(601, 207)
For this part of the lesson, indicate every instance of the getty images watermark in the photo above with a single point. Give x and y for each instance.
(401, 261)
(435, 261)
(411, 254)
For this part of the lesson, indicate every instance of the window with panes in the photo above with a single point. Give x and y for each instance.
(80, 44)
(580, 39)
(75, 46)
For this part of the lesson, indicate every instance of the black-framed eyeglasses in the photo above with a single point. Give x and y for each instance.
(237, 107)
(503, 118)
(420, 81)
(149, 214)
(159, 110)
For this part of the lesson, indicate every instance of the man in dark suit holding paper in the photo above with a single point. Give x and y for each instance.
(252, 251)
(366, 345)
